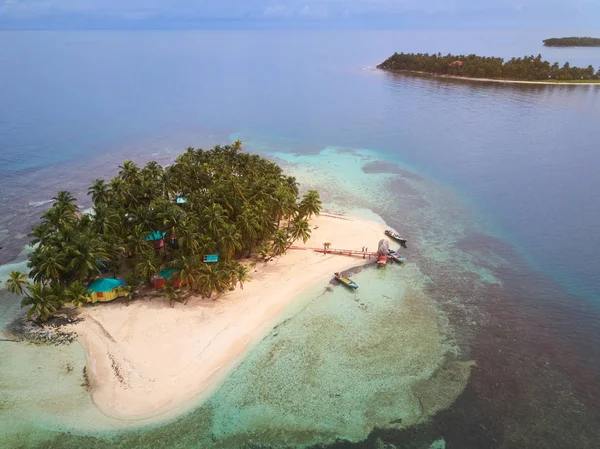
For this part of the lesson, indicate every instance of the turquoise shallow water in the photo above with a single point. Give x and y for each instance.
(493, 185)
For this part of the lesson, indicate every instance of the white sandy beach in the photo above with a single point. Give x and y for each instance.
(492, 80)
(148, 360)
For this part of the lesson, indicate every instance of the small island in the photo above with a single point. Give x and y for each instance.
(572, 42)
(154, 278)
(529, 69)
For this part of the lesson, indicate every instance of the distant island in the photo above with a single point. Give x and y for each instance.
(526, 69)
(572, 42)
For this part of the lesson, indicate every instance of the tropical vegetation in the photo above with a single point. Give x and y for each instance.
(528, 68)
(222, 201)
(572, 42)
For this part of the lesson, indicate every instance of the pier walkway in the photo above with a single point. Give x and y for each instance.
(340, 252)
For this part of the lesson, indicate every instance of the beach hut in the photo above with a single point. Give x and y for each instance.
(106, 289)
(161, 279)
(158, 238)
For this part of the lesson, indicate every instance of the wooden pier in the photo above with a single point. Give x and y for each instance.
(344, 252)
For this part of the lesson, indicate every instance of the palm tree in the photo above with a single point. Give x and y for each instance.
(77, 294)
(48, 263)
(237, 146)
(65, 200)
(264, 251)
(168, 214)
(300, 229)
(152, 170)
(136, 241)
(64, 238)
(266, 222)
(106, 220)
(280, 242)
(242, 275)
(171, 294)
(231, 240)
(86, 255)
(43, 301)
(292, 185)
(311, 204)
(99, 191)
(129, 171)
(249, 228)
(284, 203)
(214, 218)
(248, 225)
(187, 236)
(118, 190)
(206, 245)
(40, 234)
(148, 265)
(132, 286)
(212, 279)
(146, 218)
(17, 283)
(188, 269)
(61, 215)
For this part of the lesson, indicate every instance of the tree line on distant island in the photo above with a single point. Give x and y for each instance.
(231, 204)
(572, 42)
(528, 68)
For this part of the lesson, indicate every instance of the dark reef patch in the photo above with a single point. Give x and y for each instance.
(537, 355)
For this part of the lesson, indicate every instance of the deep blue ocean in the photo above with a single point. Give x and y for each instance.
(523, 159)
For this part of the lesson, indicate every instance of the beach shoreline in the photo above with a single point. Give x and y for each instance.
(148, 362)
(491, 80)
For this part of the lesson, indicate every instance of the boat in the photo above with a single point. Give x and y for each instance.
(397, 257)
(393, 234)
(346, 281)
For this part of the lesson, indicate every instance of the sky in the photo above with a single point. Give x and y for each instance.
(377, 14)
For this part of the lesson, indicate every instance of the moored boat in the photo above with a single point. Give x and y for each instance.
(346, 281)
(397, 257)
(393, 234)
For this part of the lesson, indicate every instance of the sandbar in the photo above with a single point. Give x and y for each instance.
(503, 81)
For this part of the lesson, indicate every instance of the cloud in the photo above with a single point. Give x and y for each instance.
(278, 11)
(297, 11)
(110, 8)
(314, 11)
(302, 11)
